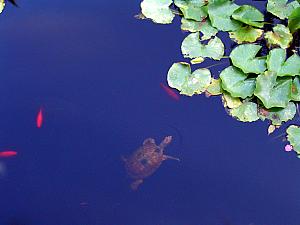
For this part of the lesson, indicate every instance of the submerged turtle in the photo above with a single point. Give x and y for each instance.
(146, 160)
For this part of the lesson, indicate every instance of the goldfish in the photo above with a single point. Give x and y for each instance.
(7, 154)
(170, 92)
(39, 118)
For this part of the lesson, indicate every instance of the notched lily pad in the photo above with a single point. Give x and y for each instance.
(220, 15)
(246, 34)
(281, 8)
(181, 78)
(192, 47)
(236, 82)
(280, 36)
(249, 15)
(205, 27)
(293, 136)
(246, 112)
(278, 115)
(271, 91)
(290, 67)
(192, 9)
(243, 57)
(158, 10)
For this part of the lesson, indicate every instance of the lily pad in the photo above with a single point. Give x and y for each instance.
(271, 91)
(158, 10)
(249, 15)
(280, 36)
(243, 57)
(279, 115)
(275, 59)
(192, 48)
(246, 34)
(290, 67)
(230, 102)
(204, 27)
(236, 83)
(281, 8)
(293, 136)
(294, 20)
(2, 5)
(192, 9)
(214, 87)
(220, 15)
(246, 112)
(295, 89)
(181, 78)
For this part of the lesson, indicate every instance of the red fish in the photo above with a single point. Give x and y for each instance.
(39, 118)
(170, 92)
(7, 154)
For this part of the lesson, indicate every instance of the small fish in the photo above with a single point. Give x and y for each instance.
(7, 154)
(170, 92)
(39, 118)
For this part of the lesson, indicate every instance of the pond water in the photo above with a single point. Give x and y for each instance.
(96, 71)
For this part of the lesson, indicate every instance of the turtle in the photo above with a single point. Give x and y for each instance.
(146, 160)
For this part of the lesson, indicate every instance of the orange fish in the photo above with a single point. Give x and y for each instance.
(39, 118)
(7, 154)
(170, 92)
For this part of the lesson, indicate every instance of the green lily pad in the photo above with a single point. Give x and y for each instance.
(243, 57)
(290, 67)
(204, 27)
(249, 15)
(276, 63)
(158, 10)
(230, 102)
(293, 136)
(295, 89)
(280, 36)
(192, 9)
(214, 87)
(294, 20)
(246, 112)
(271, 91)
(181, 78)
(220, 15)
(275, 59)
(279, 115)
(281, 8)
(192, 48)
(236, 83)
(246, 34)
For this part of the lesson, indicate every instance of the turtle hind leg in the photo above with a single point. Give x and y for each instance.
(135, 184)
(165, 157)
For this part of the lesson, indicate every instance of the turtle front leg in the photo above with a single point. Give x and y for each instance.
(165, 157)
(135, 184)
(167, 140)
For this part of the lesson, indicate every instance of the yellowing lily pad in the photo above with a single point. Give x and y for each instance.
(181, 78)
(158, 10)
(236, 83)
(192, 48)
(295, 89)
(271, 91)
(214, 87)
(230, 102)
(246, 112)
(243, 57)
(249, 15)
(280, 36)
(246, 34)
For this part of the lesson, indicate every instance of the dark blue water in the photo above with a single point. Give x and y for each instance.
(96, 70)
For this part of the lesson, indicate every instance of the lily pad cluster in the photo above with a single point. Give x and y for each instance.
(262, 81)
